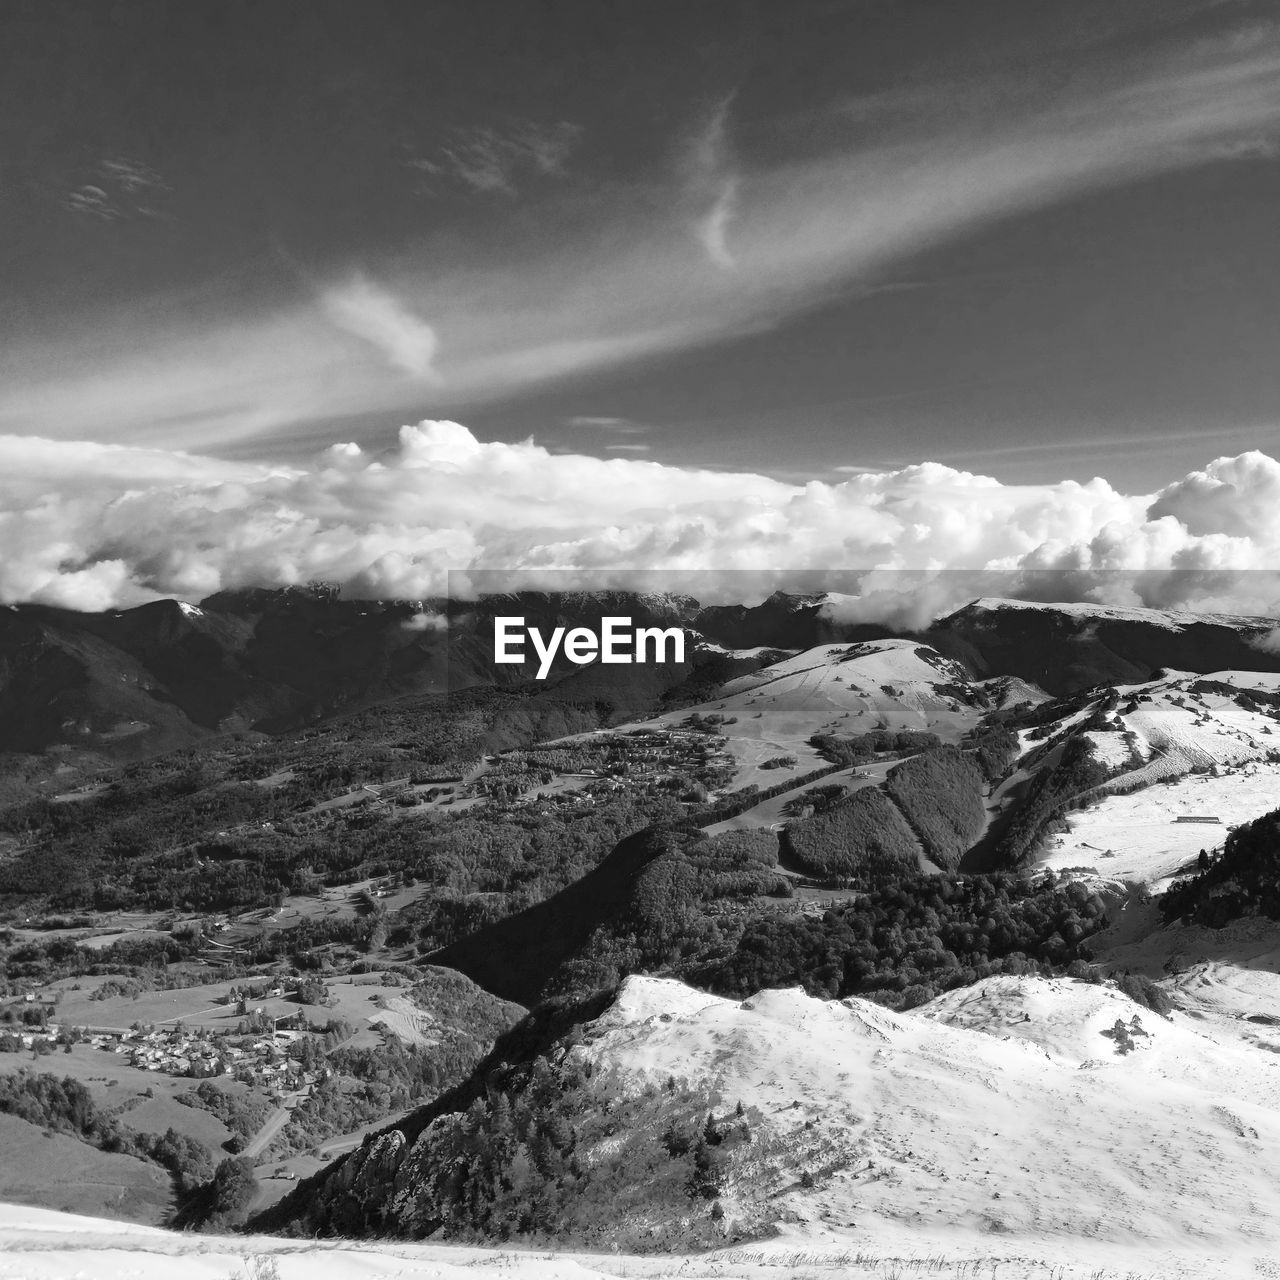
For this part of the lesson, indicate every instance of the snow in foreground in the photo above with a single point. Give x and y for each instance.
(37, 1244)
(1022, 1128)
(1012, 1111)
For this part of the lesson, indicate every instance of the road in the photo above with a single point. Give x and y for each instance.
(273, 1124)
(276, 1120)
(770, 813)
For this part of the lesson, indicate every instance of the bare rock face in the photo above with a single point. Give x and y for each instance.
(355, 1200)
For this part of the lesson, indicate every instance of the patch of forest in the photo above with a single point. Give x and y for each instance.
(369, 1084)
(66, 1106)
(905, 943)
(242, 1113)
(1244, 880)
(1052, 793)
(563, 1152)
(940, 795)
(848, 750)
(862, 838)
(652, 902)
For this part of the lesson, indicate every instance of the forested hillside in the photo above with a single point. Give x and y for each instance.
(1243, 880)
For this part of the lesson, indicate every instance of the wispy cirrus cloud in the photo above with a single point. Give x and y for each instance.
(495, 161)
(118, 187)
(372, 313)
(711, 184)
(614, 283)
(616, 426)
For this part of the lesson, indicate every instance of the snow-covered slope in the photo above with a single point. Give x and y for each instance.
(44, 1245)
(1173, 619)
(1182, 747)
(965, 1118)
(837, 688)
(1178, 721)
(1138, 838)
(1022, 1127)
(1181, 716)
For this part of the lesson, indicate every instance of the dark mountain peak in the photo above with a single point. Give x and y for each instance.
(1066, 647)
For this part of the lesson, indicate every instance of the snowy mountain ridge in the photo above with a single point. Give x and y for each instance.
(1172, 619)
(944, 1135)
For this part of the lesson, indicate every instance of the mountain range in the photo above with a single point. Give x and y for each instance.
(131, 683)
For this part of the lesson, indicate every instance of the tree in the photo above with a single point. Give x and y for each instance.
(231, 1191)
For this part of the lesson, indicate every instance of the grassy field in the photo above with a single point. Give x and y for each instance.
(196, 1006)
(115, 1084)
(201, 1006)
(58, 1172)
(359, 998)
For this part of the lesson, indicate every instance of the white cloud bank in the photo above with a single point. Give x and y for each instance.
(91, 526)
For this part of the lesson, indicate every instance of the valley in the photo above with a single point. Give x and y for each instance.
(789, 947)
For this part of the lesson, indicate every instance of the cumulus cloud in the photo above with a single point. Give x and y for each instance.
(91, 526)
(1230, 496)
(425, 621)
(371, 313)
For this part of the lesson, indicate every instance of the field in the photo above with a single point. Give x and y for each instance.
(772, 812)
(834, 688)
(115, 1084)
(147, 1098)
(1135, 838)
(201, 1006)
(358, 1000)
(204, 1005)
(58, 1172)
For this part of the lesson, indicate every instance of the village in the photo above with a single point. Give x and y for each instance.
(260, 1061)
(259, 1053)
(686, 762)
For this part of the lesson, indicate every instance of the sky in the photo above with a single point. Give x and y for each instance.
(711, 259)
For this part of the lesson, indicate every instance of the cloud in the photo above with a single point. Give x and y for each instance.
(118, 188)
(711, 184)
(607, 281)
(495, 162)
(627, 448)
(713, 230)
(616, 426)
(90, 526)
(426, 622)
(1231, 496)
(369, 312)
